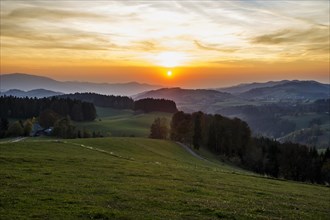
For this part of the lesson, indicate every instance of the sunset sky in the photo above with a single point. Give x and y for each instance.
(203, 43)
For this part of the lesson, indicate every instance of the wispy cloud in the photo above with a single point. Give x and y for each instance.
(45, 13)
(204, 30)
(312, 35)
(214, 47)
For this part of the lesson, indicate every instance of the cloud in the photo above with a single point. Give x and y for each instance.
(213, 47)
(202, 29)
(146, 45)
(311, 35)
(45, 13)
(52, 37)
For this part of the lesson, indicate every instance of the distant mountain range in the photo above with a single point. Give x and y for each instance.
(280, 90)
(182, 95)
(248, 86)
(28, 82)
(290, 90)
(211, 101)
(274, 91)
(38, 93)
(284, 90)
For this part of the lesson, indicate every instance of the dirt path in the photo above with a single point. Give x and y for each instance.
(98, 150)
(18, 139)
(191, 151)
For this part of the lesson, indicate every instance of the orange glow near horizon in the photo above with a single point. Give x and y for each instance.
(170, 43)
(186, 77)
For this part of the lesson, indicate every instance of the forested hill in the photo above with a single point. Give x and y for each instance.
(124, 102)
(109, 101)
(155, 105)
(13, 107)
(232, 139)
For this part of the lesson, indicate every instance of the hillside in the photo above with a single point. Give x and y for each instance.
(29, 82)
(248, 86)
(272, 109)
(133, 178)
(112, 122)
(38, 93)
(317, 135)
(188, 99)
(292, 90)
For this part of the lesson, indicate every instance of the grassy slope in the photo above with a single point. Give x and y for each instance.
(135, 178)
(302, 120)
(122, 122)
(301, 136)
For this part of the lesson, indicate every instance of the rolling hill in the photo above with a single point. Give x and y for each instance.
(248, 86)
(267, 107)
(135, 178)
(188, 100)
(317, 135)
(38, 93)
(291, 90)
(113, 122)
(29, 82)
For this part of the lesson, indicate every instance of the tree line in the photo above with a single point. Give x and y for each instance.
(57, 125)
(231, 139)
(124, 102)
(155, 105)
(48, 112)
(13, 107)
(107, 101)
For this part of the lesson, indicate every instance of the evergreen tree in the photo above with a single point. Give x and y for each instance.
(159, 129)
(4, 123)
(47, 118)
(27, 127)
(14, 107)
(155, 105)
(15, 129)
(197, 137)
(64, 129)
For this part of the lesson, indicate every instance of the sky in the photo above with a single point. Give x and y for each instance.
(191, 44)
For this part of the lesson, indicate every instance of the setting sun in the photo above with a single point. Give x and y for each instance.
(169, 73)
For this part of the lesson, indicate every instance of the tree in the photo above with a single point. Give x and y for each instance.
(155, 105)
(15, 129)
(27, 126)
(48, 118)
(197, 137)
(182, 128)
(159, 129)
(4, 123)
(14, 107)
(86, 134)
(64, 129)
(76, 112)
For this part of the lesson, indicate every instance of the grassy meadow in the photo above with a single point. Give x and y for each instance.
(112, 122)
(137, 178)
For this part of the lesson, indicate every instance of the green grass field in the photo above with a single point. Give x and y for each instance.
(136, 178)
(112, 122)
